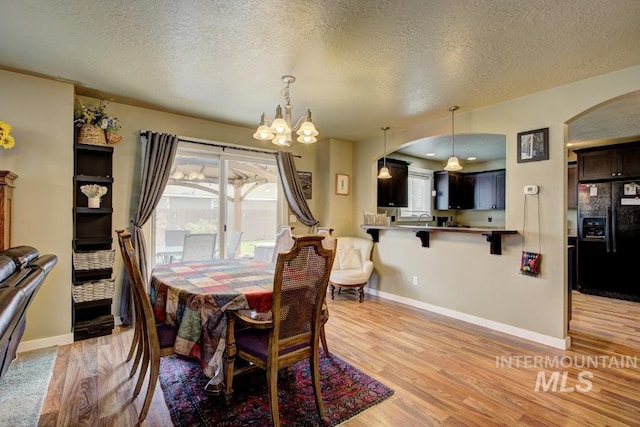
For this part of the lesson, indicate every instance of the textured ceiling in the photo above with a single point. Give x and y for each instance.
(360, 64)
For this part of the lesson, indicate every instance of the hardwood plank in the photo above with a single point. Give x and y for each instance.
(443, 371)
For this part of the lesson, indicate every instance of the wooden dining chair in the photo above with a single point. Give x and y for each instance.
(151, 340)
(300, 285)
(284, 243)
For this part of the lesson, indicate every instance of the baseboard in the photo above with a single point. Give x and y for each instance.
(45, 342)
(559, 343)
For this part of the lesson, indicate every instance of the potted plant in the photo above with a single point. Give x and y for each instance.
(97, 126)
(94, 192)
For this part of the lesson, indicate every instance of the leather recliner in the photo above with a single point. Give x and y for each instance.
(22, 273)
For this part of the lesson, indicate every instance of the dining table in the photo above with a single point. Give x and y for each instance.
(195, 297)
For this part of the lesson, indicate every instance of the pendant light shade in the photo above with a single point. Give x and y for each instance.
(384, 170)
(453, 164)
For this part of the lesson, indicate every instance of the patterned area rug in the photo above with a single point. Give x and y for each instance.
(345, 392)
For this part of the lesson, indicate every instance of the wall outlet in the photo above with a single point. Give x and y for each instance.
(415, 281)
(292, 218)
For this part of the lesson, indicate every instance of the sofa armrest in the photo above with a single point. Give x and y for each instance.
(21, 255)
(367, 267)
(45, 263)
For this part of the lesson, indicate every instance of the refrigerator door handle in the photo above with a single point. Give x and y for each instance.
(614, 245)
(607, 230)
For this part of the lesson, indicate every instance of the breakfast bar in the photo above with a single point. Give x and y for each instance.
(493, 235)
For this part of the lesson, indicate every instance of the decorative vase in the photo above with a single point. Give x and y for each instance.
(94, 202)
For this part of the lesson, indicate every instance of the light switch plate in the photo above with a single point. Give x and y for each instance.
(530, 189)
(292, 218)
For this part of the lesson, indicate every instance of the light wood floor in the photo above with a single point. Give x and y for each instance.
(443, 371)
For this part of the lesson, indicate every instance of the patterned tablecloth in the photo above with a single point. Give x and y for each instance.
(193, 296)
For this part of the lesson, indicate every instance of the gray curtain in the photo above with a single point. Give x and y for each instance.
(293, 189)
(158, 155)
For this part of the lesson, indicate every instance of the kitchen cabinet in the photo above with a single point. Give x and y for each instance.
(394, 192)
(93, 256)
(453, 190)
(572, 185)
(611, 162)
(490, 190)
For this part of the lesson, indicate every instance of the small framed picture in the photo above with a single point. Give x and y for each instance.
(342, 184)
(533, 145)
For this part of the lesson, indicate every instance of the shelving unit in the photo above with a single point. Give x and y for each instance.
(92, 238)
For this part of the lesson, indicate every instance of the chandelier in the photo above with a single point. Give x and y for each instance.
(279, 132)
(453, 164)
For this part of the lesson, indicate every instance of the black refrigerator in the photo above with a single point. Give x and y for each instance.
(609, 239)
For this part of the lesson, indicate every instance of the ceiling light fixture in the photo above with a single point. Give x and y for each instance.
(384, 170)
(453, 164)
(279, 132)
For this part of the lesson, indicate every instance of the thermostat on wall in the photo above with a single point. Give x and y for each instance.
(530, 189)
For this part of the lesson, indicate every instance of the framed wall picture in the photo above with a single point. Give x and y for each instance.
(533, 145)
(342, 184)
(305, 182)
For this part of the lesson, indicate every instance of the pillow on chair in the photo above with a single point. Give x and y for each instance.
(350, 259)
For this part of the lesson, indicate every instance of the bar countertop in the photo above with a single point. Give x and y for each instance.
(493, 235)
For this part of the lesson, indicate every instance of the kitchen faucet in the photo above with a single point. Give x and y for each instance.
(420, 217)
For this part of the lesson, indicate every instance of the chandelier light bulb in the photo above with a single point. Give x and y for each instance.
(306, 139)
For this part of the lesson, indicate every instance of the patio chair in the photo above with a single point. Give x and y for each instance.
(233, 246)
(300, 284)
(199, 247)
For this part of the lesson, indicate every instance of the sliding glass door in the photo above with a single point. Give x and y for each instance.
(232, 198)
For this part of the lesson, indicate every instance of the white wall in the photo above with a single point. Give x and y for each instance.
(457, 273)
(41, 113)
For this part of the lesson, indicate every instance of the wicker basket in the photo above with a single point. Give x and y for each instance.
(91, 135)
(376, 219)
(95, 260)
(92, 291)
(113, 138)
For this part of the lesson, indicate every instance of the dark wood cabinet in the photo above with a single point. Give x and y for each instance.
(93, 255)
(7, 179)
(611, 162)
(394, 192)
(490, 190)
(451, 192)
(572, 186)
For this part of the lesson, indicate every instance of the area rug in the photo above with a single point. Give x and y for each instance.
(24, 387)
(346, 392)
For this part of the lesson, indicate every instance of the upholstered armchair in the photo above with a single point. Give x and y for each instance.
(352, 265)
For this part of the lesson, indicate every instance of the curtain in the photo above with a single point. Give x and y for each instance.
(293, 189)
(158, 156)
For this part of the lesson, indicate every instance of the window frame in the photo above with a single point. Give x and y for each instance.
(408, 214)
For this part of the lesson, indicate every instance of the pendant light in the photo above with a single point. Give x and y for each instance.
(384, 170)
(453, 164)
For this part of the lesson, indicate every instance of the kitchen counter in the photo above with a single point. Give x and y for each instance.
(493, 235)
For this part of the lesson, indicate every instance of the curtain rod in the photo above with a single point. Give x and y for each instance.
(223, 146)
